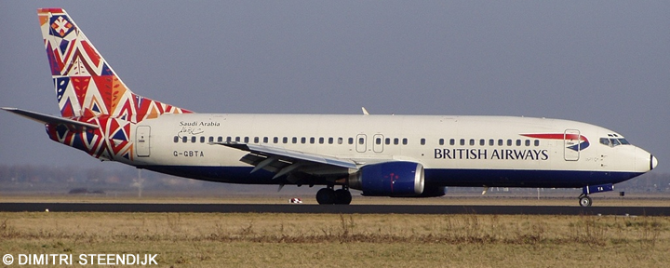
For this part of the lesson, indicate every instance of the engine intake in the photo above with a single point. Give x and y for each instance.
(389, 179)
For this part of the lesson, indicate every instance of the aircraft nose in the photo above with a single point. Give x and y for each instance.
(653, 162)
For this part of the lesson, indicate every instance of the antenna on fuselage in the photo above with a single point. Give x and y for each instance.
(365, 111)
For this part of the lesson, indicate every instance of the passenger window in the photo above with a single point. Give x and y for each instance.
(229, 139)
(321, 140)
(509, 142)
(275, 140)
(423, 141)
(193, 139)
(387, 141)
(518, 142)
(257, 139)
(472, 142)
(184, 139)
(176, 139)
(351, 140)
(395, 141)
(462, 141)
(330, 140)
(441, 141)
(537, 143)
(500, 142)
(285, 140)
(340, 140)
(265, 139)
(452, 142)
(219, 139)
(246, 139)
(378, 141)
(361, 141)
(482, 142)
(527, 142)
(492, 142)
(237, 139)
(294, 140)
(404, 141)
(303, 140)
(311, 140)
(211, 139)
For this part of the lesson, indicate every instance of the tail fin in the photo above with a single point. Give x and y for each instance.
(85, 83)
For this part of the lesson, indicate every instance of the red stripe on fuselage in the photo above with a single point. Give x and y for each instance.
(556, 136)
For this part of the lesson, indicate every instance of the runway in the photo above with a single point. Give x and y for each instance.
(333, 209)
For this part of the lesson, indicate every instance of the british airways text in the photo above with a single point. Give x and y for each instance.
(496, 154)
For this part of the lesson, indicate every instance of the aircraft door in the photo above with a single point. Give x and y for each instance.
(378, 143)
(571, 143)
(361, 143)
(142, 141)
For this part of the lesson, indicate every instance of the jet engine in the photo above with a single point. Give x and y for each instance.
(389, 179)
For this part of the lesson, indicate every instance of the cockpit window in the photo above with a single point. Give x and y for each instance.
(605, 141)
(613, 141)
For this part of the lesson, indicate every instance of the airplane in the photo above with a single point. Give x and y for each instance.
(380, 155)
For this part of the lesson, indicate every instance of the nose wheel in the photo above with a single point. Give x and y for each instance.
(329, 196)
(585, 201)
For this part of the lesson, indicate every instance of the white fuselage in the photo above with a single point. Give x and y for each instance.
(454, 150)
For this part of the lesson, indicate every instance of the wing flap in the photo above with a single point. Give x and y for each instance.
(291, 155)
(283, 161)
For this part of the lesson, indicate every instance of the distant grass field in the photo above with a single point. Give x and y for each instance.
(298, 240)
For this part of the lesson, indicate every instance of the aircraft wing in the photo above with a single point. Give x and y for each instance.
(50, 119)
(283, 161)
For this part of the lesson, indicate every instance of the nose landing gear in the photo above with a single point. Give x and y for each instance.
(585, 200)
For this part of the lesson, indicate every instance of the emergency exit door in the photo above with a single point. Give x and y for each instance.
(142, 141)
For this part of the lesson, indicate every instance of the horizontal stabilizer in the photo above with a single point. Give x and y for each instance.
(49, 119)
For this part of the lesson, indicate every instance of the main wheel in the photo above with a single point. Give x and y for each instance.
(585, 201)
(325, 196)
(342, 197)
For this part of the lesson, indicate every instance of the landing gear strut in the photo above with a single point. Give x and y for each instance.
(329, 196)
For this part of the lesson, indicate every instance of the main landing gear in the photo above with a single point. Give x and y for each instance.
(329, 196)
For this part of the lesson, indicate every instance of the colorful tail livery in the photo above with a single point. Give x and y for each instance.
(385, 155)
(97, 108)
(85, 83)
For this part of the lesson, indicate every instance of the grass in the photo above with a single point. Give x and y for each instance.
(298, 240)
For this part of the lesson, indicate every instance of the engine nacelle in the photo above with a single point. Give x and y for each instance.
(389, 179)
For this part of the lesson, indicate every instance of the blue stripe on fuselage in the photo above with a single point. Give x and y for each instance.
(523, 178)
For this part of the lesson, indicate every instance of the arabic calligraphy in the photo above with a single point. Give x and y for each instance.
(190, 131)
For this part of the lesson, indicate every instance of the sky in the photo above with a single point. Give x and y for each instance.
(602, 62)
